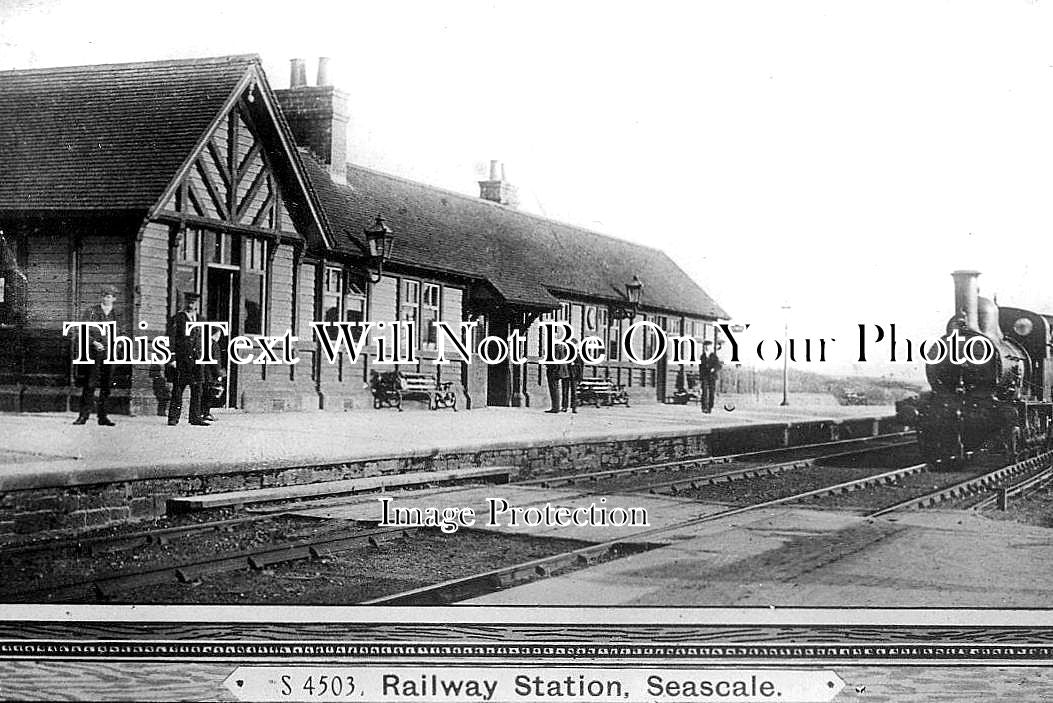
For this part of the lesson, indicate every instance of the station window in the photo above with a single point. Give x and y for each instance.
(332, 294)
(589, 321)
(429, 314)
(409, 305)
(187, 265)
(545, 317)
(225, 248)
(253, 283)
(663, 322)
(255, 255)
(614, 338)
(189, 247)
(354, 306)
(577, 323)
(646, 336)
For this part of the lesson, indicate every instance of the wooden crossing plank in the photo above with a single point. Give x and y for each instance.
(354, 485)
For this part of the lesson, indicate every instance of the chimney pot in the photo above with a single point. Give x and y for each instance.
(497, 188)
(323, 70)
(297, 73)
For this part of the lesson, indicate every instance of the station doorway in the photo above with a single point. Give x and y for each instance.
(221, 295)
(498, 376)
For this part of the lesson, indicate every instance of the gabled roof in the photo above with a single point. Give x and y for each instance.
(525, 257)
(106, 136)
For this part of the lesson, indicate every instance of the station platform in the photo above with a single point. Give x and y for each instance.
(55, 475)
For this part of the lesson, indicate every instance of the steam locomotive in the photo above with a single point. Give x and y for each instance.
(1005, 402)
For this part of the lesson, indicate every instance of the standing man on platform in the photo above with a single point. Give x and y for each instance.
(575, 372)
(708, 372)
(99, 374)
(557, 375)
(187, 372)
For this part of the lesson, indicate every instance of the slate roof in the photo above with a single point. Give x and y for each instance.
(525, 257)
(106, 136)
(110, 137)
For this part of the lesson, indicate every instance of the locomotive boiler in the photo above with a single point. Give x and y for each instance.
(1003, 402)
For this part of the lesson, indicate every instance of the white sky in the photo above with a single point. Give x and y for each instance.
(840, 157)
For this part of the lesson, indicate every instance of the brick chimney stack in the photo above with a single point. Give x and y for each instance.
(323, 70)
(497, 188)
(297, 73)
(317, 116)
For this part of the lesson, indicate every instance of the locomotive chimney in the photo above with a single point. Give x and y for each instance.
(966, 297)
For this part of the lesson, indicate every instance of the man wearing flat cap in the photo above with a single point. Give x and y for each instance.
(99, 374)
(708, 372)
(187, 372)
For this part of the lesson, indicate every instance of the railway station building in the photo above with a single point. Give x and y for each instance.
(170, 177)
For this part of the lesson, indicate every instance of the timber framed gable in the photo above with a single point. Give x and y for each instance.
(230, 181)
(246, 175)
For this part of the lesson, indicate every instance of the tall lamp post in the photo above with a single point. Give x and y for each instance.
(785, 356)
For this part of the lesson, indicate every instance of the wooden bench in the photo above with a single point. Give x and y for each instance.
(601, 391)
(390, 388)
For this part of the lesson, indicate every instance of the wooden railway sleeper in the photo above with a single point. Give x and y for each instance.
(192, 572)
(265, 559)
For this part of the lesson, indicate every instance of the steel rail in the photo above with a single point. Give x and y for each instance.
(139, 538)
(256, 559)
(966, 487)
(1030, 484)
(759, 471)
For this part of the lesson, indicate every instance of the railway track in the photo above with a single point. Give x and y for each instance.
(1017, 490)
(110, 585)
(495, 579)
(986, 488)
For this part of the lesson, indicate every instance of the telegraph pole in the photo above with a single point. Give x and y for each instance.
(785, 356)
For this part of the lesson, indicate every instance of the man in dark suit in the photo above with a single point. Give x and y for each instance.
(557, 375)
(708, 372)
(187, 372)
(99, 374)
(575, 372)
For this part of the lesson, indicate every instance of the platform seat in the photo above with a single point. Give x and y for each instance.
(390, 388)
(601, 391)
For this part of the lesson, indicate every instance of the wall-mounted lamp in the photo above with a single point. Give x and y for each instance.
(628, 310)
(379, 241)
